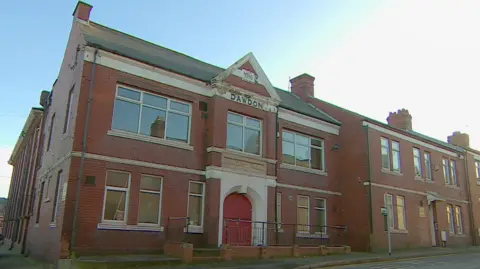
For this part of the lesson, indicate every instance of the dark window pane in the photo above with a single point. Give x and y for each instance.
(287, 136)
(153, 122)
(177, 127)
(317, 158)
(320, 221)
(179, 106)
(235, 118)
(114, 205)
(234, 137)
(125, 116)
(252, 141)
(150, 183)
(288, 152)
(196, 188)
(117, 179)
(195, 210)
(155, 101)
(253, 123)
(316, 142)
(320, 203)
(149, 208)
(134, 95)
(302, 155)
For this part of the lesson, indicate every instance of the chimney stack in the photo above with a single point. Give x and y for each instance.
(82, 11)
(302, 86)
(459, 139)
(400, 119)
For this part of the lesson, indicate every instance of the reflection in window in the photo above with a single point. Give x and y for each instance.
(243, 133)
(302, 150)
(152, 115)
(116, 192)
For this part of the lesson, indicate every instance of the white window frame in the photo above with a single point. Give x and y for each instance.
(159, 192)
(458, 220)
(453, 172)
(167, 110)
(446, 171)
(396, 151)
(477, 170)
(404, 211)
(324, 210)
(57, 196)
(450, 216)
(428, 165)
(417, 156)
(310, 146)
(245, 126)
(307, 230)
(279, 210)
(392, 213)
(387, 147)
(196, 228)
(127, 197)
(68, 111)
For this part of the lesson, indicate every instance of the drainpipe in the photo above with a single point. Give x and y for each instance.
(82, 158)
(369, 180)
(277, 129)
(470, 207)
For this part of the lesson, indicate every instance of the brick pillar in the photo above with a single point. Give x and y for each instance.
(226, 252)
(187, 252)
(323, 251)
(212, 207)
(295, 251)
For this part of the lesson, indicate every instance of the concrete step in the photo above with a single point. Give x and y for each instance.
(124, 261)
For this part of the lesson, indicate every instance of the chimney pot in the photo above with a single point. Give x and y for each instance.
(400, 119)
(459, 139)
(302, 86)
(82, 11)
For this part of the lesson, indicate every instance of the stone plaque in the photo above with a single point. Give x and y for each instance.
(421, 212)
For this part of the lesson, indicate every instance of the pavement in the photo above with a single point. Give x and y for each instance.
(439, 258)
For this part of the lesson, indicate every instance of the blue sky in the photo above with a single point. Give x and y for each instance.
(369, 56)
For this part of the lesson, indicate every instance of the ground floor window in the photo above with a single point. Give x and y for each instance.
(450, 219)
(196, 203)
(401, 219)
(150, 199)
(320, 215)
(303, 215)
(117, 185)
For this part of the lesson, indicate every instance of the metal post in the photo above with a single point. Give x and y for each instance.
(263, 234)
(389, 233)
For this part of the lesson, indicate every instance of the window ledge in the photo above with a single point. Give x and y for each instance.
(429, 181)
(36, 225)
(124, 227)
(46, 200)
(459, 235)
(303, 169)
(390, 172)
(243, 154)
(396, 231)
(309, 235)
(150, 139)
(192, 229)
(419, 178)
(52, 225)
(452, 186)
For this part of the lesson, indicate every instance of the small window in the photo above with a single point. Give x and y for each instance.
(450, 219)
(385, 153)
(279, 210)
(453, 172)
(402, 222)
(477, 170)
(40, 198)
(320, 215)
(56, 198)
(150, 200)
(117, 187)
(303, 214)
(304, 151)
(459, 220)
(417, 164)
(428, 165)
(389, 206)
(196, 203)
(50, 131)
(68, 110)
(446, 171)
(395, 156)
(244, 133)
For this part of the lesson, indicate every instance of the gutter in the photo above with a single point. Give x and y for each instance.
(369, 180)
(82, 157)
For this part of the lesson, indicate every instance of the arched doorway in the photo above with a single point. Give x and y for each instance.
(237, 216)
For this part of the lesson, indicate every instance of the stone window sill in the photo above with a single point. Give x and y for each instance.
(46, 200)
(150, 139)
(396, 231)
(52, 225)
(419, 178)
(429, 181)
(125, 227)
(309, 235)
(192, 229)
(303, 169)
(390, 172)
(458, 235)
(452, 186)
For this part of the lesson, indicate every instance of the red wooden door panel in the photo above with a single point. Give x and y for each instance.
(237, 215)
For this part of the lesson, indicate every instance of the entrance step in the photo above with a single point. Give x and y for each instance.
(125, 261)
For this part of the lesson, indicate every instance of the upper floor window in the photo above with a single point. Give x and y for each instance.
(302, 150)
(416, 162)
(428, 165)
(244, 133)
(153, 115)
(449, 171)
(453, 172)
(477, 170)
(390, 158)
(50, 131)
(68, 110)
(446, 171)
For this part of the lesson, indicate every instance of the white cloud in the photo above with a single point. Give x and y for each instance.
(5, 170)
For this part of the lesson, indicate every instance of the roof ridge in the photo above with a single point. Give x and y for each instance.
(155, 45)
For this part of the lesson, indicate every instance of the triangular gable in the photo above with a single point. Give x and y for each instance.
(248, 69)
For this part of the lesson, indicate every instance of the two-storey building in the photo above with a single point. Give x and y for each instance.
(140, 140)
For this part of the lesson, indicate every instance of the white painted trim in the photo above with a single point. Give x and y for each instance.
(242, 154)
(223, 172)
(301, 188)
(303, 169)
(307, 121)
(409, 139)
(138, 163)
(476, 157)
(124, 227)
(150, 139)
(409, 191)
(139, 69)
(122, 189)
(262, 77)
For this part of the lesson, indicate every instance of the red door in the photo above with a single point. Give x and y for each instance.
(237, 216)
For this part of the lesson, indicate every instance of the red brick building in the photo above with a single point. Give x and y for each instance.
(142, 145)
